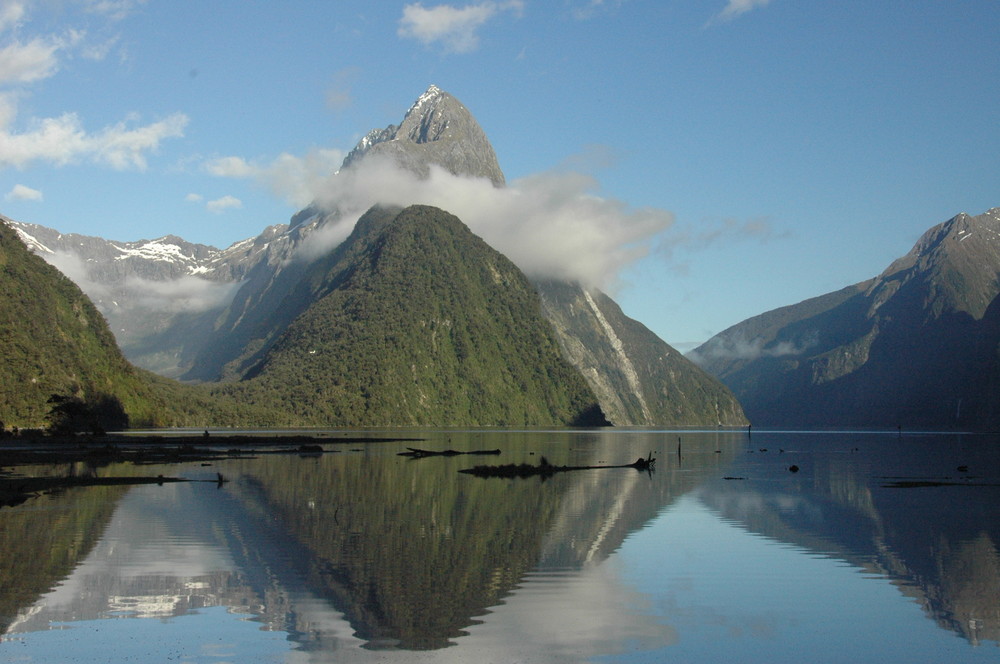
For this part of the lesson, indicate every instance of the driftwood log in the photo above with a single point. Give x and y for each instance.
(546, 469)
(415, 453)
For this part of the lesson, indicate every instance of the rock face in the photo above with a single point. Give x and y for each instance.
(226, 307)
(439, 130)
(915, 347)
(639, 379)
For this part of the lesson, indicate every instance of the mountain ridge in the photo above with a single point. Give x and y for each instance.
(916, 346)
(246, 295)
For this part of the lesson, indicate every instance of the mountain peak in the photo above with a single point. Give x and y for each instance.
(439, 130)
(431, 94)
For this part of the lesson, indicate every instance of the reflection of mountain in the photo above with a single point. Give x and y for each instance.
(369, 550)
(65, 526)
(413, 552)
(937, 543)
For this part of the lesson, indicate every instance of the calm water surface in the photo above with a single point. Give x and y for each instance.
(880, 548)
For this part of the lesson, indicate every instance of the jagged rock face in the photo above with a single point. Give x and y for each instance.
(916, 346)
(639, 379)
(439, 130)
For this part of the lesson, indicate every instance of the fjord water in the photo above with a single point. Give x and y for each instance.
(881, 547)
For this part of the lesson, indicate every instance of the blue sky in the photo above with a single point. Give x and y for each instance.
(747, 154)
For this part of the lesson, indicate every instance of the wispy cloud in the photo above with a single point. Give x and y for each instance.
(63, 140)
(114, 9)
(11, 13)
(588, 9)
(295, 179)
(187, 293)
(736, 8)
(338, 95)
(552, 225)
(455, 28)
(225, 203)
(725, 347)
(28, 62)
(21, 192)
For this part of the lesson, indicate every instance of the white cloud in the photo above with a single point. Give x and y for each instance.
(11, 13)
(225, 203)
(116, 10)
(231, 167)
(26, 63)
(23, 193)
(736, 348)
(454, 27)
(298, 180)
(591, 8)
(194, 198)
(736, 8)
(551, 225)
(187, 293)
(63, 140)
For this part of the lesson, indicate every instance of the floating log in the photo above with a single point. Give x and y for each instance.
(545, 469)
(415, 453)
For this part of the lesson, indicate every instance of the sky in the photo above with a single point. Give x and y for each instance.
(703, 161)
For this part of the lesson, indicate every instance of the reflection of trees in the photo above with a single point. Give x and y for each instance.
(42, 544)
(413, 551)
(409, 552)
(937, 544)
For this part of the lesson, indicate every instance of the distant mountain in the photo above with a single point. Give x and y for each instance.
(208, 315)
(915, 347)
(414, 320)
(160, 297)
(55, 342)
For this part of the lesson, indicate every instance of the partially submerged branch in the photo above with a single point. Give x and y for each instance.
(545, 469)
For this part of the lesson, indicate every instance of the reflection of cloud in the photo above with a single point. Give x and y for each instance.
(454, 27)
(559, 619)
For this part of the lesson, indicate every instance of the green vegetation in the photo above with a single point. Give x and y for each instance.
(415, 320)
(62, 369)
(55, 341)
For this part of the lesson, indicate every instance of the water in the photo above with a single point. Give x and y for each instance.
(879, 548)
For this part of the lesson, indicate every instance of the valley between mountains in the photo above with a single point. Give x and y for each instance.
(367, 310)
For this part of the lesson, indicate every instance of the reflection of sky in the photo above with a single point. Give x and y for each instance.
(208, 635)
(689, 586)
(736, 596)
